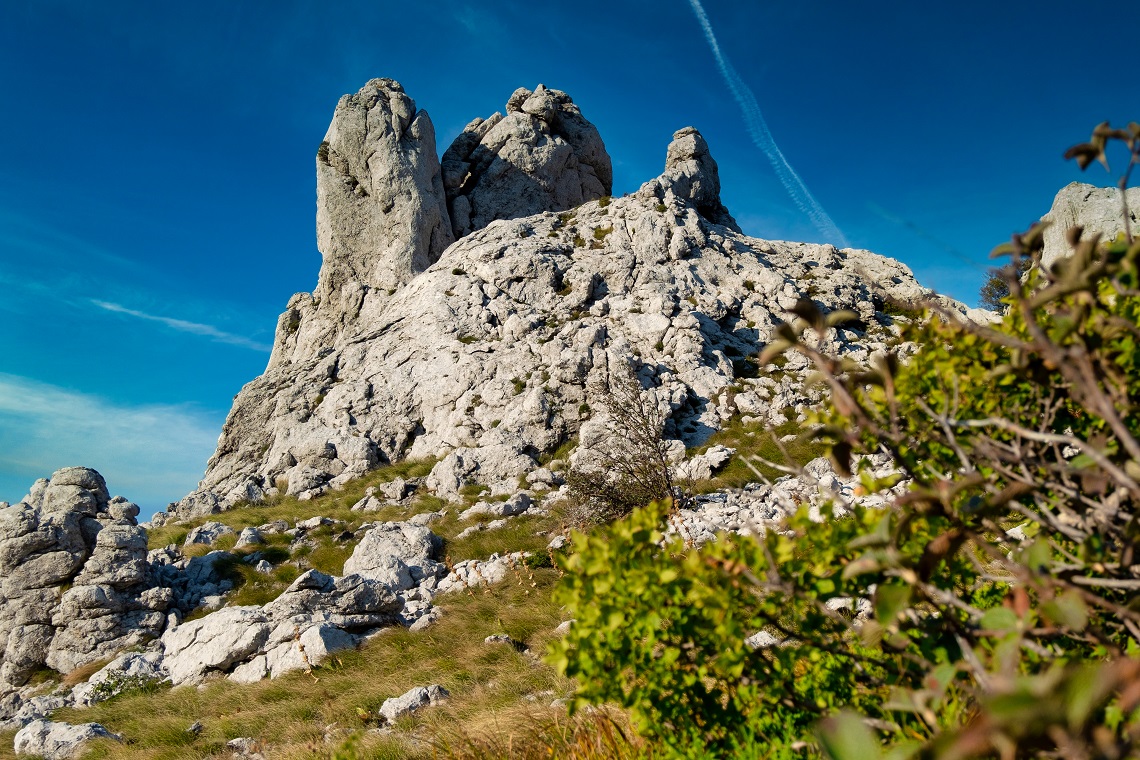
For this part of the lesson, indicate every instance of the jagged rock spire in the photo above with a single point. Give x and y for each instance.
(692, 174)
(542, 156)
(381, 213)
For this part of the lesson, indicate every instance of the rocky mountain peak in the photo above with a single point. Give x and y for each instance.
(542, 156)
(491, 355)
(381, 213)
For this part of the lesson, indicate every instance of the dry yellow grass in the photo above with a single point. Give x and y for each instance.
(499, 699)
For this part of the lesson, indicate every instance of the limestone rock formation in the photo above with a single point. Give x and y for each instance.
(381, 213)
(487, 358)
(75, 585)
(58, 741)
(1096, 209)
(691, 173)
(388, 581)
(542, 156)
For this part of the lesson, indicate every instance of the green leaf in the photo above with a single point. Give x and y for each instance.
(881, 536)
(1067, 610)
(1087, 688)
(891, 598)
(865, 564)
(845, 737)
(1038, 555)
(999, 619)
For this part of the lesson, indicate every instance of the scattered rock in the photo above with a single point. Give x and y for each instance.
(761, 640)
(400, 555)
(473, 572)
(58, 741)
(208, 533)
(515, 505)
(412, 700)
(245, 748)
(249, 537)
(130, 670)
(702, 466)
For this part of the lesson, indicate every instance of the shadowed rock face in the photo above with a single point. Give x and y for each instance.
(542, 156)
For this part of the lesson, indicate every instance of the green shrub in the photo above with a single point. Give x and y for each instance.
(999, 583)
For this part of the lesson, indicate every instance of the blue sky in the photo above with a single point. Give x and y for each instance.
(157, 188)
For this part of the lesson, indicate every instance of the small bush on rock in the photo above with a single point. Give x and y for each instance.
(630, 467)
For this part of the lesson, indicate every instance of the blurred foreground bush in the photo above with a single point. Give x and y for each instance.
(999, 585)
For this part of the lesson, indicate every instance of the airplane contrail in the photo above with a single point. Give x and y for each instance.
(762, 137)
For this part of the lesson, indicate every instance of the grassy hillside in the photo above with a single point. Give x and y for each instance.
(501, 696)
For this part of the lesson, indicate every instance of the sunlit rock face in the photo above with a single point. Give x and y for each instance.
(542, 156)
(1098, 210)
(494, 353)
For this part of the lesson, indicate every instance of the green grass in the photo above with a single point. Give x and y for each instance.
(751, 441)
(488, 683)
(500, 697)
(335, 504)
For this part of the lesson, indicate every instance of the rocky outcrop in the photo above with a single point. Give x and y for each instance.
(58, 741)
(75, 585)
(388, 580)
(381, 216)
(381, 212)
(489, 357)
(1097, 209)
(691, 173)
(399, 555)
(542, 156)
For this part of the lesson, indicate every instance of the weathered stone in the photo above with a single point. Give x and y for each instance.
(412, 700)
(399, 555)
(214, 643)
(74, 581)
(208, 533)
(127, 671)
(58, 741)
(515, 505)
(1098, 210)
(692, 174)
(542, 156)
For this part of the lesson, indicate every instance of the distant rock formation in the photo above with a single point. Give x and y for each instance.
(1096, 209)
(542, 156)
(488, 357)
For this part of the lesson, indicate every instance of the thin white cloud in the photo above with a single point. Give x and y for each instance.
(762, 137)
(182, 325)
(152, 453)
